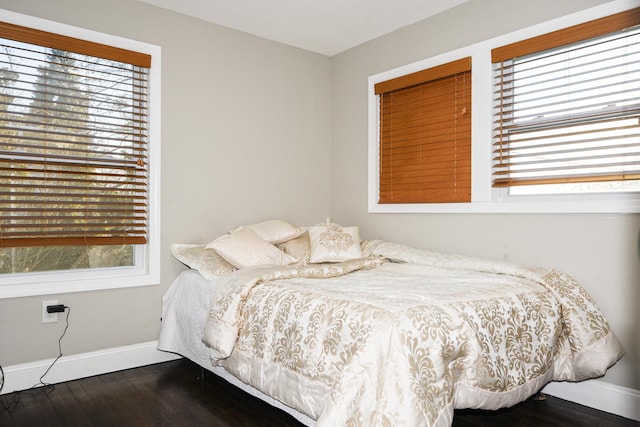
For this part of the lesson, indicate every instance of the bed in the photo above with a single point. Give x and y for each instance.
(375, 333)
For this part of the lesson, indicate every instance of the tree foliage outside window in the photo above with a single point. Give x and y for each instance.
(64, 102)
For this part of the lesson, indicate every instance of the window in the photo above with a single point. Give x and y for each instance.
(555, 118)
(425, 135)
(568, 110)
(74, 159)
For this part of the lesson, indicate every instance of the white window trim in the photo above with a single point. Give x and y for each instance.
(147, 268)
(484, 198)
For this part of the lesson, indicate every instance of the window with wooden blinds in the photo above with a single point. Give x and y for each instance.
(73, 141)
(568, 108)
(425, 136)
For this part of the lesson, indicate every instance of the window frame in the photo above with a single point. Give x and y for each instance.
(146, 268)
(484, 198)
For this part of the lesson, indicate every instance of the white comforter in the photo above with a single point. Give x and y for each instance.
(403, 343)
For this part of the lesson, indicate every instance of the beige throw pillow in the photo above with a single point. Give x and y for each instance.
(244, 248)
(275, 230)
(299, 248)
(206, 261)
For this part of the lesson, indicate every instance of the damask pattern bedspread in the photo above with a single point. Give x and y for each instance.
(404, 336)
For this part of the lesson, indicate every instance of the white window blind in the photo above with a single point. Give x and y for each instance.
(568, 105)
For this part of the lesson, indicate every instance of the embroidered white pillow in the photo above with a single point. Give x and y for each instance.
(275, 230)
(333, 243)
(244, 248)
(197, 257)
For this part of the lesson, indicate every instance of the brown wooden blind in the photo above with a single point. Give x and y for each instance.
(569, 113)
(71, 44)
(565, 36)
(73, 141)
(425, 136)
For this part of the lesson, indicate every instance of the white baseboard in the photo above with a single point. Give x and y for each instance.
(599, 395)
(67, 368)
(596, 394)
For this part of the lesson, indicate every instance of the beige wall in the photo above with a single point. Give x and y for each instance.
(245, 134)
(600, 251)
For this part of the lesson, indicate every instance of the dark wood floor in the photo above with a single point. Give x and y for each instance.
(171, 394)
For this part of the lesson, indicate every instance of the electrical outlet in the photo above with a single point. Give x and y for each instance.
(49, 317)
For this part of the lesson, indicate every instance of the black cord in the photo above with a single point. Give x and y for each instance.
(40, 382)
(50, 387)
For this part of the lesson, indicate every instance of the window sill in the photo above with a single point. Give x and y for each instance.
(619, 204)
(48, 283)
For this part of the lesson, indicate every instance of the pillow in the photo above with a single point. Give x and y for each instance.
(333, 243)
(275, 231)
(244, 248)
(197, 257)
(299, 248)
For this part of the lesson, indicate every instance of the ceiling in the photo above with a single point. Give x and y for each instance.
(327, 27)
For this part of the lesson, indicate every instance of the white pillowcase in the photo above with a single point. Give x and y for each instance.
(275, 230)
(333, 243)
(197, 257)
(244, 248)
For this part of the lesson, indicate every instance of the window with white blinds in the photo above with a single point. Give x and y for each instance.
(568, 109)
(73, 141)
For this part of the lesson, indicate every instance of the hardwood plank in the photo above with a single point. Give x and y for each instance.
(173, 394)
